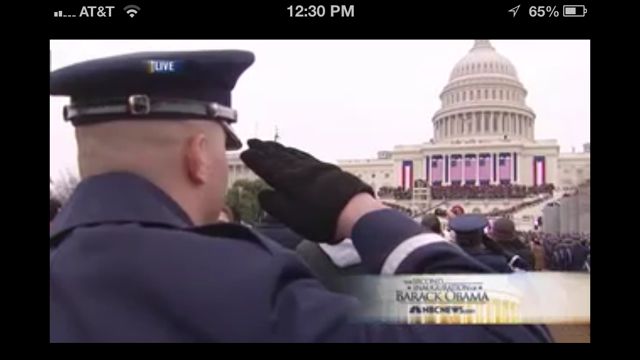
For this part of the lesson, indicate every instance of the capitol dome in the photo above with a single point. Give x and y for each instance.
(484, 100)
(483, 59)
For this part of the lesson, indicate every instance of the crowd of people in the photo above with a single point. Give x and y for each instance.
(502, 191)
(397, 193)
(540, 251)
(514, 209)
(566, 252)
(559, 252)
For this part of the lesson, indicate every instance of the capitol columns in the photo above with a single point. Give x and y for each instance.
(494, 122)
(485, 121)
(426, 168)
(520, 132)
(502, 123)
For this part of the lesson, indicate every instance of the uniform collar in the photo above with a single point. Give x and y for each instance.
(118, 197)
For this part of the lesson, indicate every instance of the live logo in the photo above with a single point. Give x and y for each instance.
(161, 66)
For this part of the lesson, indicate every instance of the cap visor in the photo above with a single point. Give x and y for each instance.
(233, 141)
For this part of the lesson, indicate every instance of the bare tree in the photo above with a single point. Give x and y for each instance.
(64, 185)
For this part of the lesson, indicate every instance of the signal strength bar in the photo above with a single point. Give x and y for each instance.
(59, 14)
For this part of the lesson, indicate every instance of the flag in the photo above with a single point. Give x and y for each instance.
(495, 167)
(470, 168)
(538, 170)
(407, 174)
(515, 166)
(436, 169)
(504, 168)
(456, 168)
(446, 168)
(484, 166)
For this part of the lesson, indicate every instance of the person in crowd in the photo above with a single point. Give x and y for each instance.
(503, 231)
(571, 256)
(432, 223)
(538, 253)
(278, 232)
(441, 213)
(457, 210)
(443, 216)
(468, 231)
(151, 153)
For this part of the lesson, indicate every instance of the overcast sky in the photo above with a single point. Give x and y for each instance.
(343, 99)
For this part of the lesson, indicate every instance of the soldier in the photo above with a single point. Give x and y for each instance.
(468, 234)
(137, 254)
(503, 231)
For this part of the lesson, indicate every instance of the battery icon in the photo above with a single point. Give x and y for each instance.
(574, 10)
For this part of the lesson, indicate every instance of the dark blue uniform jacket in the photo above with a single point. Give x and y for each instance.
(127, 265)
(497, 262)
(279, 233)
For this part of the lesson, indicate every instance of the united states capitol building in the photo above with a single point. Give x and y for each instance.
(484, 136)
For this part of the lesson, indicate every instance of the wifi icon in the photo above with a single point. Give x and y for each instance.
(131, 10)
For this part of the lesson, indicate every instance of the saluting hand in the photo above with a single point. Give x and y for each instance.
(308, 195)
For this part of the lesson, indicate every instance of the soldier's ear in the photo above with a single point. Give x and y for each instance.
(197, 158)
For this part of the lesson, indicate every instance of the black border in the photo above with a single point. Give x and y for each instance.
(249, 19)
(263, 20)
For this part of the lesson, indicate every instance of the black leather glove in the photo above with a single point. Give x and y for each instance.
(308, 195)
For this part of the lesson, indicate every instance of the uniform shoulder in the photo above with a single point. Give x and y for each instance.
(223, 236)
(189, 244)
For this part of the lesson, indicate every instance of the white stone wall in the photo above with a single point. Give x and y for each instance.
(375, 172)
(551, 168)
(584, 210)
(573, 169)
(237, 170)
(525, 169)
(572, 214)
(551, 219)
